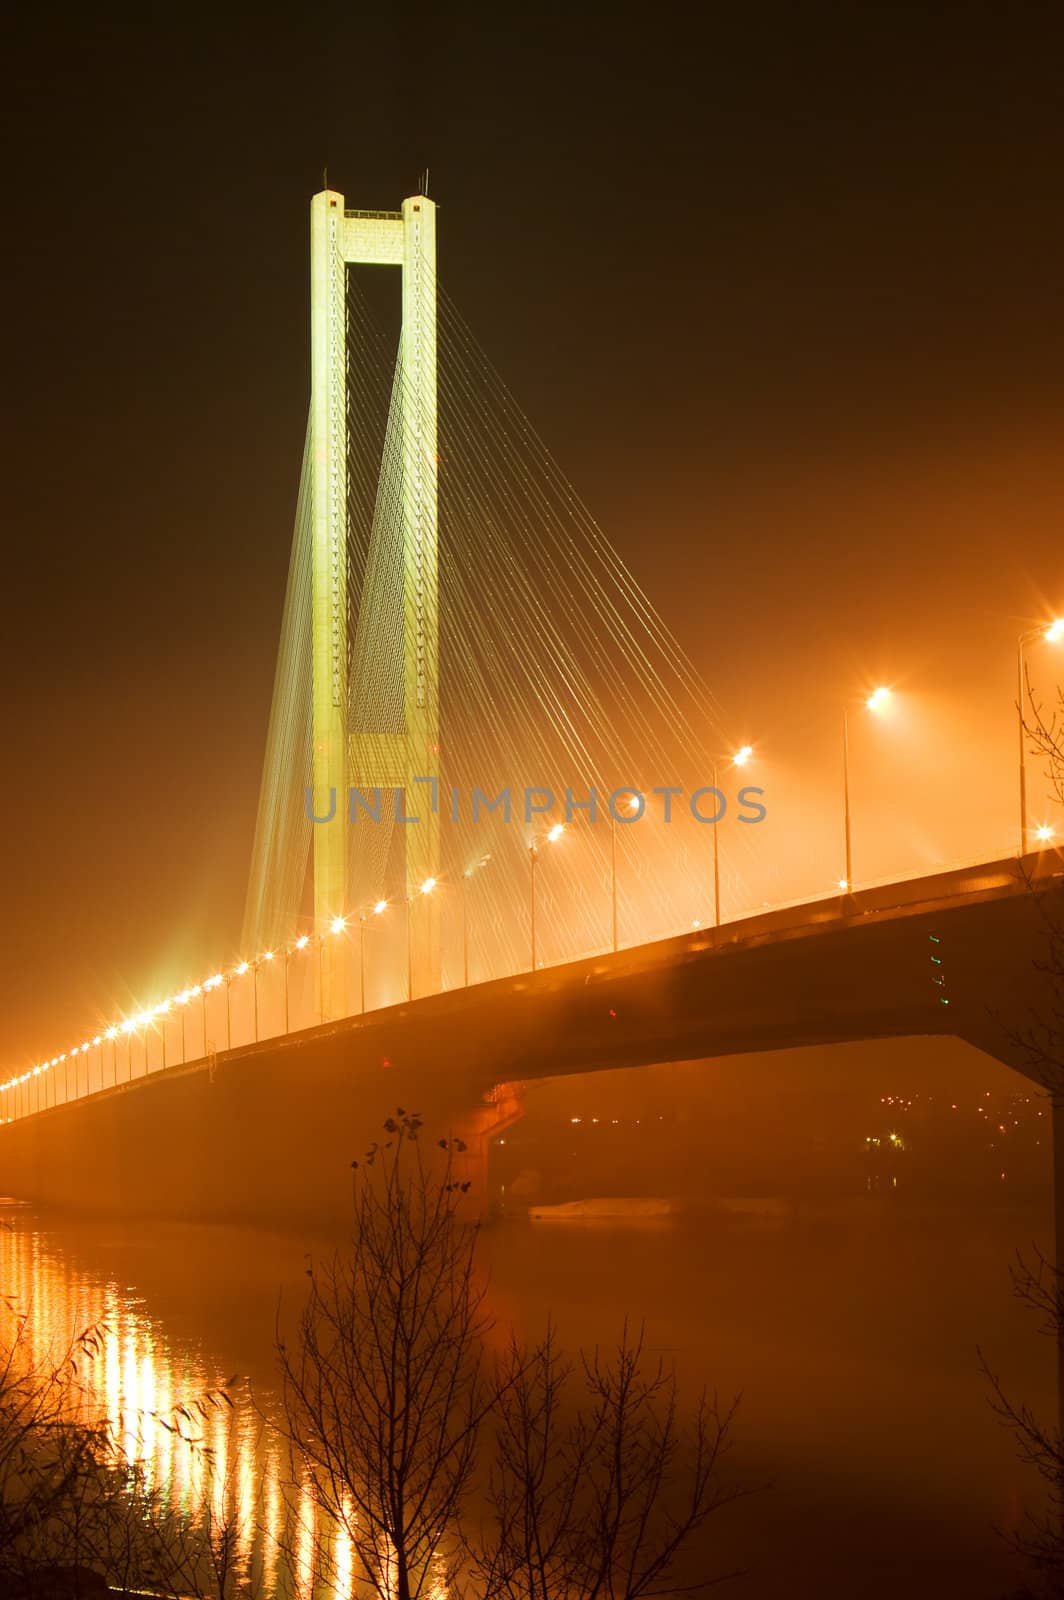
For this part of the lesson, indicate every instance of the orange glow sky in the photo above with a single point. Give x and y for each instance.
(783, 299)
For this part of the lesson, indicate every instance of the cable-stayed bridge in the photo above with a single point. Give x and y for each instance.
(488, 765)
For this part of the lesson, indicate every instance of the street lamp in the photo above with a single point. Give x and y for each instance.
(378, 911)
(241, 969)
(630, 805)
(182, 1000)
(466, 876)
(214, 982)
(300, 944)
(465, 929)
(127, 1029)
(739, 759)
(267, 955)
(877, 701)
(337, 926)
(200, 993)
(552, 836)
(163, 1010)
(143, 1021)
(423, 888)
(1048, 635)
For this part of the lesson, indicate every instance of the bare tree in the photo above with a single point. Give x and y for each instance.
(598, 1499)
(1045, 729)
(1036, 1281)
(383, 1387)
(75, 1515)
(46, 1458)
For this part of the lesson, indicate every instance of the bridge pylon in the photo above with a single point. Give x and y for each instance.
(346, 755)
(357, 690)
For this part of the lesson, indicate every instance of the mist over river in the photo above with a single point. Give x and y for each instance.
(847, 1312)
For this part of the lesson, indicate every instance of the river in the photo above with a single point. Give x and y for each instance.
(850, 1326)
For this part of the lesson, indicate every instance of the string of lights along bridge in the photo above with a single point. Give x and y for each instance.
(456, 624)
(182, 1027)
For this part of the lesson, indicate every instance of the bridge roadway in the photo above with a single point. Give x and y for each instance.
(268, 1131)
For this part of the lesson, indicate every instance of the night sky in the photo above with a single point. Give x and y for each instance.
(782, 291)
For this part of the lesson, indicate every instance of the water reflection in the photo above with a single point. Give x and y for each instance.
(204, 1445)
(849, 1322)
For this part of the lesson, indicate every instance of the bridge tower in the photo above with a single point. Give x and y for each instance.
(346, 756)
(357, 688)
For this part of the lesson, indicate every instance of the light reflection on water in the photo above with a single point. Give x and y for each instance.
(219, 1464)
(850, 1327)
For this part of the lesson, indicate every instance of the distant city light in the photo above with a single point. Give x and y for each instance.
(337, 925)
(241, 969)
(382, 905)
(1045, 833)
(1055, 631)
(555, 832)
(878, 698)
(742, 755)
(428, 886)
(843, 883)
(302, 941)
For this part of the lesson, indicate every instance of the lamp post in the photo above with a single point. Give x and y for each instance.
(287, 959)
(739, 759)
(300, 944)
(337, 926)
(467, 878)
(465, 929)
(876, 701)
(378, 911)
(424, 888)
(1048, 635)
(552, 836)
(632, 804)
(267, 955)
(847, 879)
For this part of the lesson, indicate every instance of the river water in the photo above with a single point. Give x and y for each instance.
(849, 1324)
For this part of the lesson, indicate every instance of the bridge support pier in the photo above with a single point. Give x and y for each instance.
(476, 1128)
